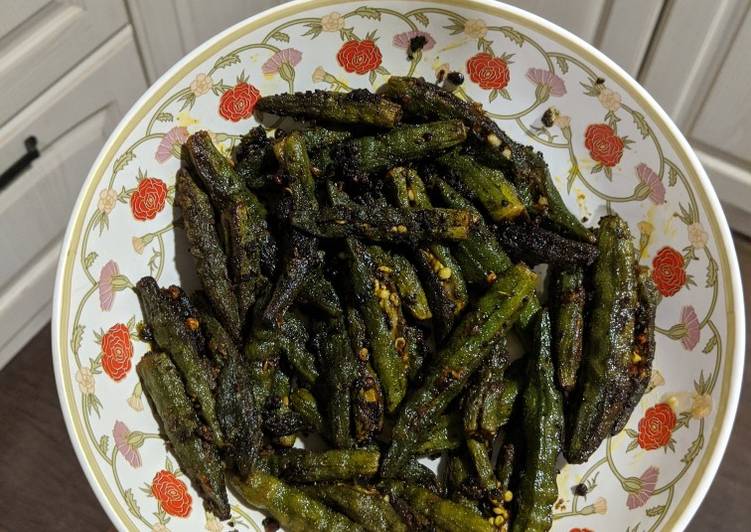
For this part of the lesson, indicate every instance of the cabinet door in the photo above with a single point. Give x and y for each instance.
(699, 71)
(169, 29)
(71, 121)
(31, 29)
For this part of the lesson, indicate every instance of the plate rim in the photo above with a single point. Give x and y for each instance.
(733, 372)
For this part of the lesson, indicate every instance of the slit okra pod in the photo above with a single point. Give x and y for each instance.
(567, 315)
(197, 458)
(173, 336)
(303, 466)
(304, 403)
(406, 281)
(603, 381)
(357, 107)
(542, 417)
(536, 245)
(291, 507)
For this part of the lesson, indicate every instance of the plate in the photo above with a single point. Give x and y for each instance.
(609, 146)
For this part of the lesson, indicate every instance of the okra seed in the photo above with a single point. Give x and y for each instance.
(444, 273)
(508, 496)
(192, 324)
(400, 343)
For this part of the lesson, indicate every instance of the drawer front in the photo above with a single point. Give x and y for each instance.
(71, 122)
(31, 29)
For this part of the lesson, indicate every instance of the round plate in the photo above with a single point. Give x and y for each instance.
(609, 146)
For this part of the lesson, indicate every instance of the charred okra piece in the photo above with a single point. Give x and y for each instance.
(359, 106)
(443, 278)
(340, 373)
(279, 420)
(391, 225)
(480, 257)
(420, 475)
(464, 352)
(380, 314)
(239, 415)
(483, 409)
(446, 435)
(210, 260)
(535, 245)
(319, 292)
(491, 188)
(542, 411)
(364, 505)
(604, 378)
(254, 158)
(567, 315)
(640, 369)
(442, 513)
(303, 402)
(525, 167)
(406, 281)
(359, 157)
(299, 465)
(172, 335)
(367, 395)
(291, 507)
(197, 458)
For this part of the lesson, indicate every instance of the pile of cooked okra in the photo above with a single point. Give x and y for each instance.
(364, 272)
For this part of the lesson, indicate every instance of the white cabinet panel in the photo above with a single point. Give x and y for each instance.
(71, 29)
(169, 29)
(71, 122)
(724, 121)
(581, 17)
(687, 50)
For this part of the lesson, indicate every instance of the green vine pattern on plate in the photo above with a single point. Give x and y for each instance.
(149, 196)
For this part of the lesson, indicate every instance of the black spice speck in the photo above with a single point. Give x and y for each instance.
(415, 45)
(581, 490)
(455, 78)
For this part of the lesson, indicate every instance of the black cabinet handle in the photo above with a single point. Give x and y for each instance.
(21, 164)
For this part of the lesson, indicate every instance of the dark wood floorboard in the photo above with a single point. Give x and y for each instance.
(42, 486)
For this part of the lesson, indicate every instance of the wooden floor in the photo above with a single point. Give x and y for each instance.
(43, 488)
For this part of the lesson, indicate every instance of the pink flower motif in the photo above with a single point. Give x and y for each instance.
(275, 62)
(171, 144)
(402, 40)
(106, 290)
(646, 486)
(546, 78)
(127, 443)
(648, 176)
(691, 322)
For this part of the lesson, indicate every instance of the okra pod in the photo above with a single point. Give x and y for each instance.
(359, 157)
(357, 107)
(280, 421)
(542, 415)
(377, 309)
(391, 225)
(525, 167)
(479, 452)
(604, 381)
(464, 352)
(304, 403)
(640, 369)
(254, 158)
(364, 505)
(567, 315)
(491, 188)
(319, 292)
(445, 435)
(535, 245)
(303, 466)
(238, 414)
(444, 514)
(480, 257)
(447, 291)
(406, 281)
(173, 336)
(210, 260)
(340, 373)
(291, 507)
(482, 398)
(367, 395)
(198, 459)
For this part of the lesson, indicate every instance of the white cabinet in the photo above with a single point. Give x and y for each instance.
(70, 100)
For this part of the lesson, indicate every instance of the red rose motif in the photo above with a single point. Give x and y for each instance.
(359, 57)
(488, 72)
(603, 144)
(172, 494)
(148, 199)
(238, 102)
(656, 427)
(667, 271)
(117, 351)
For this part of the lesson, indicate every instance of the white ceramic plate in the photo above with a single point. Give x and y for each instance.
(611, 147)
